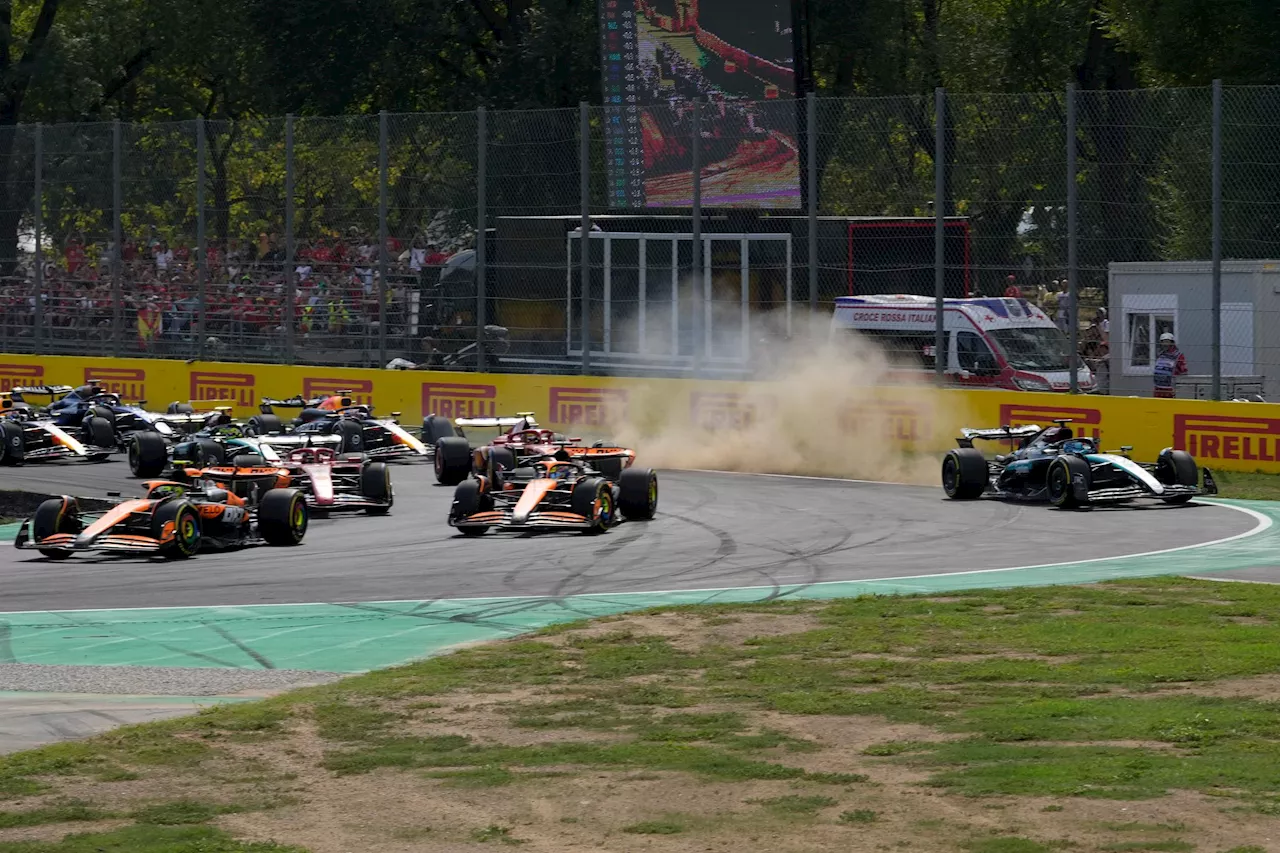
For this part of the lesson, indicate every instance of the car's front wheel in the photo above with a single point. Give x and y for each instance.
(1061, 481)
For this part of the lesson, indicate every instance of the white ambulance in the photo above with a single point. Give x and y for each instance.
(990, 343)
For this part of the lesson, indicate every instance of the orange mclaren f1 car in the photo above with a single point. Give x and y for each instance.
(172, 520)
(553, 492)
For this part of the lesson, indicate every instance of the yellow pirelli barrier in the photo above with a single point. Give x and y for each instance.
(1229, 436)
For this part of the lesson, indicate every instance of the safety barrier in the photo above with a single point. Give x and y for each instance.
(1229, 436)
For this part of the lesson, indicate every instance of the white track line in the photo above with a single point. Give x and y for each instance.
(1264, 523)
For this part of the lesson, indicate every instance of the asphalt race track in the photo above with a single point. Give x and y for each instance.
(713, 530)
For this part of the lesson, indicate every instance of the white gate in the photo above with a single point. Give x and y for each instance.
(642, 295)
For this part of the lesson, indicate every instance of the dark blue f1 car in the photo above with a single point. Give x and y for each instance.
(1053, 465)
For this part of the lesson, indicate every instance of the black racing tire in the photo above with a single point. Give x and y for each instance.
(56, 515)
(148, 455)
(101, 412)
(13, 444)
(1177, 468)
(283, 517)
(502, 459)
(638, 494)
(435, 428)
(264, 425)
(453, 460)
(375, 485)
(469, 498)
(211, 453)
(100, 432)
(1059, 481)
(186, 529)
(176, 408)
(609, 467)
(965, 475)
(352, 436)
(592, 498)
(248, 460)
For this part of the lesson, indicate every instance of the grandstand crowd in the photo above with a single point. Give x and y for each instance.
(335, 294)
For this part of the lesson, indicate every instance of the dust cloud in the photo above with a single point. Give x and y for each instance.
(817, 405)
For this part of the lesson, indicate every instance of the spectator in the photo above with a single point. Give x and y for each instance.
(1170, 363)
(1011, 289)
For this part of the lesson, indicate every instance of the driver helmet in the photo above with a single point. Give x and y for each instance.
(556, 470)
(1075, 446)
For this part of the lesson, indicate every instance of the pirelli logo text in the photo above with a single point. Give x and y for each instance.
(232, 388)
(459, 400)
(587, 406)
(1084, 422)
(129, 382)
(1220, 437)
(715, 410)
(361, 389)
(896, 422)
(16, 375)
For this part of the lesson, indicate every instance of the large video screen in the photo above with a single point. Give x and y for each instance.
(739, 57)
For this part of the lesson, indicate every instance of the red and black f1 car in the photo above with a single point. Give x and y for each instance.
(172, 520)
(524, 441)
(553, 492)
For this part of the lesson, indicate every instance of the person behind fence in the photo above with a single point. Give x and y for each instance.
(1169, 363)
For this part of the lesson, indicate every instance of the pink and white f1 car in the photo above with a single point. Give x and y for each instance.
(332, 482)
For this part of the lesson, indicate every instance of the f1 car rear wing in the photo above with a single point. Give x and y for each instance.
(42, 390)
(295, 402)
(524, 420)
(1004, 433)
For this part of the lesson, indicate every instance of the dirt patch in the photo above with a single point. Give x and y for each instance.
(846, 786)
(1264, 688)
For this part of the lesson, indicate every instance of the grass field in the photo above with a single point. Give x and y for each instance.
(1128, 716)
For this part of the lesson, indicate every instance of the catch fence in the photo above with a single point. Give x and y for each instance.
(455, 240)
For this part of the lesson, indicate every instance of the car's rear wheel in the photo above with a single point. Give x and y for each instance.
(470, 498)
(638, 494)
(148, 454)
(964, 474)
(592, 498)
(452, 460)
(502, 459)
(1177, 468)
(1060, 481)
(375, 485)
(186, 529)
(248, 460)
(283, 517)
(56, 515)
(176, 408)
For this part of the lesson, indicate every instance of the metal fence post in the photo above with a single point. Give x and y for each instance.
(939, 226)
(289, 248)
(1073, 275)
(39, 235)
(382, 237)
(117, 294)
(1216, 332)
(584, 199)
(202, 244)
(811, 110)
(699, 319)
(482, 235)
